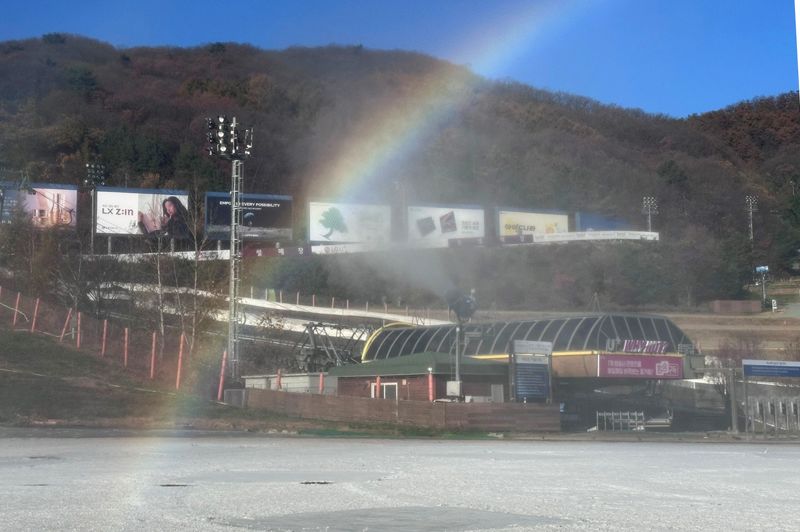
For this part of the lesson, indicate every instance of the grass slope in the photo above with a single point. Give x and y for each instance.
(43, 382)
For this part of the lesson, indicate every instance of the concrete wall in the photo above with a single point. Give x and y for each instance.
(511, 417)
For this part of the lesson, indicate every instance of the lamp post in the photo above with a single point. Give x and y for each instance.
(649, 208)
(464, 306)
(763, 271)
(225, 141)
(751, 206)
(95, 176)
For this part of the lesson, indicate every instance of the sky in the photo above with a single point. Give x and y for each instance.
(674, 57)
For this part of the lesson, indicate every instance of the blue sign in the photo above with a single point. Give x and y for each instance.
(532, 382)
(770, 368)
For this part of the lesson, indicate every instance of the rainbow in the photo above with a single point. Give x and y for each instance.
(375, 143)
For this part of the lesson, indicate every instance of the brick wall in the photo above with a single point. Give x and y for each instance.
(511, 417)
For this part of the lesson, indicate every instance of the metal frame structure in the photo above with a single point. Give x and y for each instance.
(95, 177)
(329, 344)
(225, 141)
(649, 208)
(751, 206)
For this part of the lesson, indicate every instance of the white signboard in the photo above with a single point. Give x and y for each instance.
(435, 226)
(345, 222)
(122, 211)
(595, 235)
(510, 223)
(533, 347)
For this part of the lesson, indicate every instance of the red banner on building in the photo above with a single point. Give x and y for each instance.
(639, 367)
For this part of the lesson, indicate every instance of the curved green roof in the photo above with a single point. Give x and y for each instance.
(589, 332)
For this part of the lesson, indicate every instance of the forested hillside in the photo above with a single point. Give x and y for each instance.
(65, 100)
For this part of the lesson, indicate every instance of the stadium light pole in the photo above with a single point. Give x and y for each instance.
(95, 176)
(751, 206)
(225, 141)
(649, 208)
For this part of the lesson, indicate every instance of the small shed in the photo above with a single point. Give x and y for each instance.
(422, 377)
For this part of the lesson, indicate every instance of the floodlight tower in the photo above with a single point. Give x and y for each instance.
(225, 141)
(649, 208)
(751, 206)
(95, 177)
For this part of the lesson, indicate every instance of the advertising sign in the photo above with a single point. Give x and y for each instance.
(126, 211)
(250, 251)
(770, 368)
(436, 226)
(47, 206)
(515, 223)
(585, 221)
(346, 222)
(264, 216)
(639, 367)
(595, 236)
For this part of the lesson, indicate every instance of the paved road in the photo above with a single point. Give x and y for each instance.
(107, 481)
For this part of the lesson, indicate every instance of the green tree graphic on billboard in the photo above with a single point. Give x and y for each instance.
(332, 219)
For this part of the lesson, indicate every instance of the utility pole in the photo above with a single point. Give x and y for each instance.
(224, 141)
(649, 208)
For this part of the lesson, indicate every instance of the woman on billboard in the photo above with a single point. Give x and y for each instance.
(173, 222)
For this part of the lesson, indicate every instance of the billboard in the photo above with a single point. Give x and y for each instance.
(514, 222)
(640, 367)
(770, 368)
(585, 221)
(435, 226)
(46, 205)
(347, 222)
(264, 216)
(130, 211)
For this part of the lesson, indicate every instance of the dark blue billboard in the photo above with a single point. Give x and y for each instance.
(264, 216)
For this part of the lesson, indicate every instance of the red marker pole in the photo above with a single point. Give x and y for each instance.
(430, 387)
(378, 387)
(103, 342)
(66, 324)
(125, 350)
(321, 383)
(180, 365)
(222, 374)
(35, 315)
(16, 311)
(153, 357)
(78, 335)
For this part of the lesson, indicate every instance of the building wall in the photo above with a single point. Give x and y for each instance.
(514, 417)
(415, 388)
